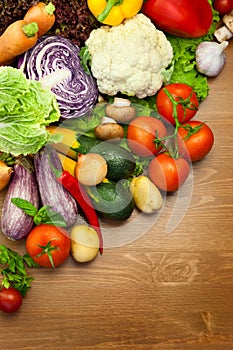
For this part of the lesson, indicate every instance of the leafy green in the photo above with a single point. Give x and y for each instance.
(45, 215)
(85, 59)
(184, 63)
(85, 125)
(25, 111)
(12, 267)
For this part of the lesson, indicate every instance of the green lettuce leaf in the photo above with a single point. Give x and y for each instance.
(25, 110)
(184, 63)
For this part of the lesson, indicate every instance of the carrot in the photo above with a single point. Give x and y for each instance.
(43, 15)
(18, 37)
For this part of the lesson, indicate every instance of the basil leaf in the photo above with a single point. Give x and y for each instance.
(25, 205)
(48, 216)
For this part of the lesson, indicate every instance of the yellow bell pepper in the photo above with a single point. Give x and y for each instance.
(113, 12)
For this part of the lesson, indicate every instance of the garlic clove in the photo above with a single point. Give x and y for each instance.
(211, 57)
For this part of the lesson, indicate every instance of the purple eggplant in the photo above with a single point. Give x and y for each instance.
(52, 193)
(15, 224)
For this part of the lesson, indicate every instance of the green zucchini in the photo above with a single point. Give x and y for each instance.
(112, 200)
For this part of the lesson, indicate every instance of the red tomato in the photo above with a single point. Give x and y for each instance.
(183, 18)
(10, 299)
(195, 140)
(48, 245)
(141, 134)
(223, 6)
(183, 102)
(168, 173)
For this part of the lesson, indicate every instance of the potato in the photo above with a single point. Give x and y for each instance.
(146, 195)
(84, 243)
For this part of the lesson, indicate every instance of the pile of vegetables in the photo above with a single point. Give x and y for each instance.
(68, 162)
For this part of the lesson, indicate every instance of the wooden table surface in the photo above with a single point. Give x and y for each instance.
(172, 288)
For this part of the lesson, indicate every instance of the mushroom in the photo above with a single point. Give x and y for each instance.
(109, 130)
(121, 110)
(225, 32)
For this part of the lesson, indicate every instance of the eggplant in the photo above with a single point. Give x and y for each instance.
(52, 193)
(15, 224)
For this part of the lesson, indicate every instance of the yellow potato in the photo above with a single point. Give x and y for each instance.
(84, 243)
(146, 195)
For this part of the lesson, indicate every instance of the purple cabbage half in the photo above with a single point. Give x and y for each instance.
(55, 62)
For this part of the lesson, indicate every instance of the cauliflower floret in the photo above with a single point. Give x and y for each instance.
(129, 58)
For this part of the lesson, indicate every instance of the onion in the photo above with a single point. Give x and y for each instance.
(55, 62)
(90, 169)
(5, 175)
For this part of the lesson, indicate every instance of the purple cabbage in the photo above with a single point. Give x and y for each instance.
(54, 61)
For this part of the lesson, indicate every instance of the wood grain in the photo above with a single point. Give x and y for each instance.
(162, 290)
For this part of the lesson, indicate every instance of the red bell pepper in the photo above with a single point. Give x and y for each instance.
(185, 18)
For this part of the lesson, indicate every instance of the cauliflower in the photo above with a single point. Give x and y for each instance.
(130, 58)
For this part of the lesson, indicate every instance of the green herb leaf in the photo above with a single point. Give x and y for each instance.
(46, 215)
(29, 261)
(25, 205)
(13, 270)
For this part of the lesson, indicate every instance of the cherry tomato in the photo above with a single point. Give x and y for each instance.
(195, 140)
(223, 6)
(186, 18)
(177, 98)
(48, 245)
(168, 173)
(141, 135)
(10, 299)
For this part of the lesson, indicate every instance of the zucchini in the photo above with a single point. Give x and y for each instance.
(15, 224)
(86, 144)
(121, 162)
(112, 200)
(52, 193)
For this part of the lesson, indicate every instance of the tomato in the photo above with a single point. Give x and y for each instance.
(141, 134)
(48, 245)
(168, 173)
(10, 299)
(182, 101)
(183, 18)
(223, 6)
(195, 140)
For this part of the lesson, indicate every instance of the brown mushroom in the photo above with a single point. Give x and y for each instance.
(121, 110)
(109, 130)
(225, 32)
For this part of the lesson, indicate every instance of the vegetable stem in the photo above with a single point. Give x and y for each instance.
(50, 8)
(30, 29)
(54, 78)
(110, 4)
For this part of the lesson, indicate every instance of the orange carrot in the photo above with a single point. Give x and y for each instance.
(18, 37)
(43, 15)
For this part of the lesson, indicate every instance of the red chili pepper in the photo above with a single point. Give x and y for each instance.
(71, 184)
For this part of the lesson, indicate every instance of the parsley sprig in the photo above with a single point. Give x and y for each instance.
(12, 267)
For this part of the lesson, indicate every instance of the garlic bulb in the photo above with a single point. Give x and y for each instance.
(210, 57)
